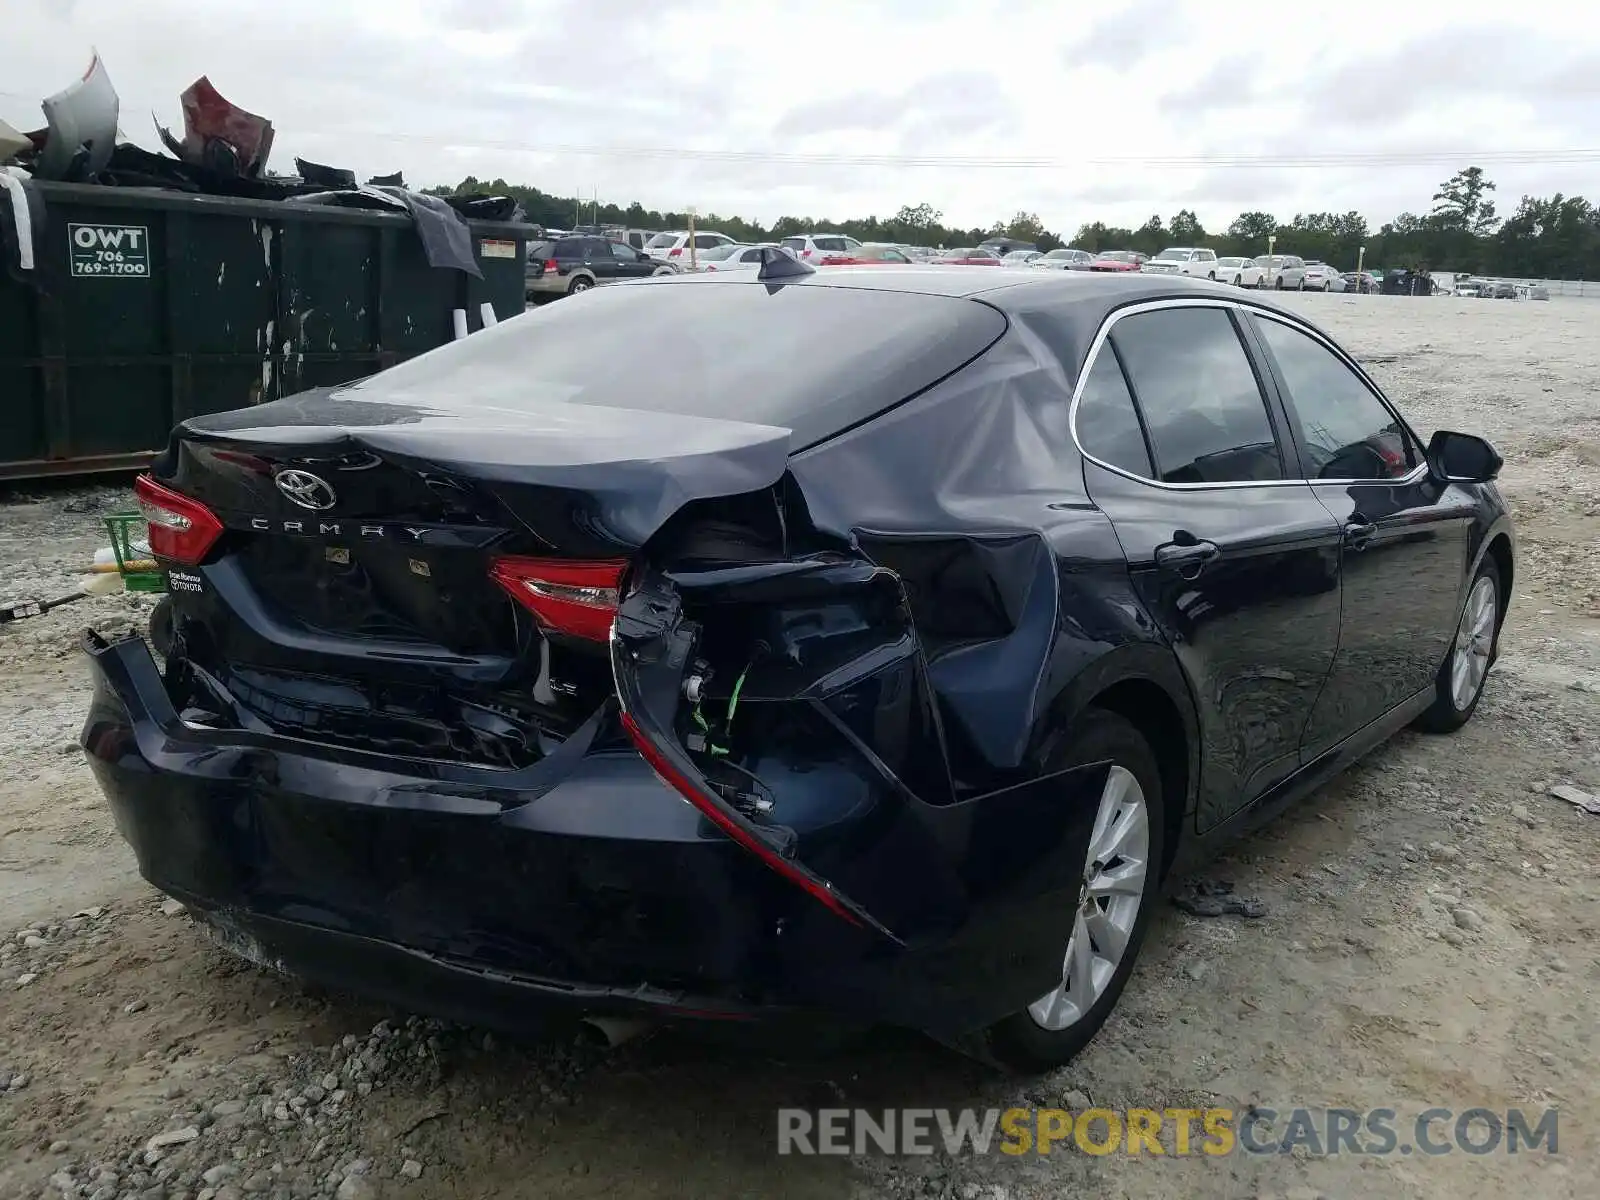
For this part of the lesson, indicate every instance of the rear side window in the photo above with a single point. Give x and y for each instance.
(1106, 423)
(750, 256)
(569, 248)
(1199, 396)
(733, 349)
(1346, 431)
(795, 243)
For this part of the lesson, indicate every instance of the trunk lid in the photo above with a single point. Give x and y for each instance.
(350, 596)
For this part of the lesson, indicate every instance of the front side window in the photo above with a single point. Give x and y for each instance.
(1199, 396)
(1106, 423)
(1347, 432)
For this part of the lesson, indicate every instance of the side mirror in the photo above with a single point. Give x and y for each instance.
(1463, 457)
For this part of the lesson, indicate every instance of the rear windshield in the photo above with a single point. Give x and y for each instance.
(661, 241)
(737, 351)
(798, 243)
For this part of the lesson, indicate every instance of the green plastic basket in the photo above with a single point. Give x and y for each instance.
(138, 574)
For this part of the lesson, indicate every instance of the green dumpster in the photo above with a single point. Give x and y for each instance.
(153, 306)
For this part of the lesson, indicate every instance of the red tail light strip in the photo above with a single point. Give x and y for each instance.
(577, 598)
(182, 530)
(714, 812)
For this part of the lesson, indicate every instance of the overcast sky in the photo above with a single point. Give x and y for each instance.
(563, 94)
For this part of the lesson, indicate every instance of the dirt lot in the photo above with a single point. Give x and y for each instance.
(1432, 935)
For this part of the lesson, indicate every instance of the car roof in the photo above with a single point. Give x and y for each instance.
(1002, 289)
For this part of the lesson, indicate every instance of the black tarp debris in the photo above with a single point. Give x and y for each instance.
(398, 180)
(321, 176)
(487, 208)
(446, 239)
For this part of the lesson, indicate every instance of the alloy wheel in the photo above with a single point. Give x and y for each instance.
(1474, 644)
(1109, 898)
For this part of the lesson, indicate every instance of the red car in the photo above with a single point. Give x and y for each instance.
(870, 253)
(967, 256)
(1118, 260)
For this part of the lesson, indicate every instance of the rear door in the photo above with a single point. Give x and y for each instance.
(1235, 559)
(1404, 535)
(630, 263)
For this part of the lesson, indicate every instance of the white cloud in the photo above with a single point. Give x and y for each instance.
(562, 94)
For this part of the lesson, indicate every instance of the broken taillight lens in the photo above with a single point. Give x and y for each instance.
(719, 816)
(181, 530)
(577, 598)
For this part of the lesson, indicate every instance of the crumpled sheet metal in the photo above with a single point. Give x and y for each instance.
(219, 135)
(82, 121)
(12, 141)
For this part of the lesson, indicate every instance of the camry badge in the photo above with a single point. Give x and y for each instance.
(306, 490)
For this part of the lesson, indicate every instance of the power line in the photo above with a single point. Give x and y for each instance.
(1309, 161)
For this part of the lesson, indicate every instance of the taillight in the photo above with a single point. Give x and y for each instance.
(675, 252)
(551, 266)
(577, 598)
(718, 816)
(181, 530)
(805, 253)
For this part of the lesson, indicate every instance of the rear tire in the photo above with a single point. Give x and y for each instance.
(1459, 683)
(1054, 1028)
(161, 627)
(1278, 283)
(581, 283)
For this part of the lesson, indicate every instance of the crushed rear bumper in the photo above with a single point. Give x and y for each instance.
(487, 895)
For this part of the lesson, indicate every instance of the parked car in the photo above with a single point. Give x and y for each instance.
(1002, 246)
(1282, 271)
(1020, 258)
(868, 252)
(528, 674)
(1319, 276)
(1118, 260)
(1467, 285)
(1532, 291)
(1066, 259)
(966, 256)
(673, 245)
(1241, 272)
(1183, 260)
(577, 263)
(717, 256)
(1498, 289)
(812, 247)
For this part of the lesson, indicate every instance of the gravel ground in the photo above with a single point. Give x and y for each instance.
(1431, 936)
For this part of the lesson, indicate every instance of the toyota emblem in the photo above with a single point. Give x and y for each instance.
(306, 490)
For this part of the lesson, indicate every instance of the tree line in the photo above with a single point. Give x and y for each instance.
(1547, 237)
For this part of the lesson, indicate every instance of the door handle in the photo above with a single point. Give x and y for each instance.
(1358, 533)
(1188, 559)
